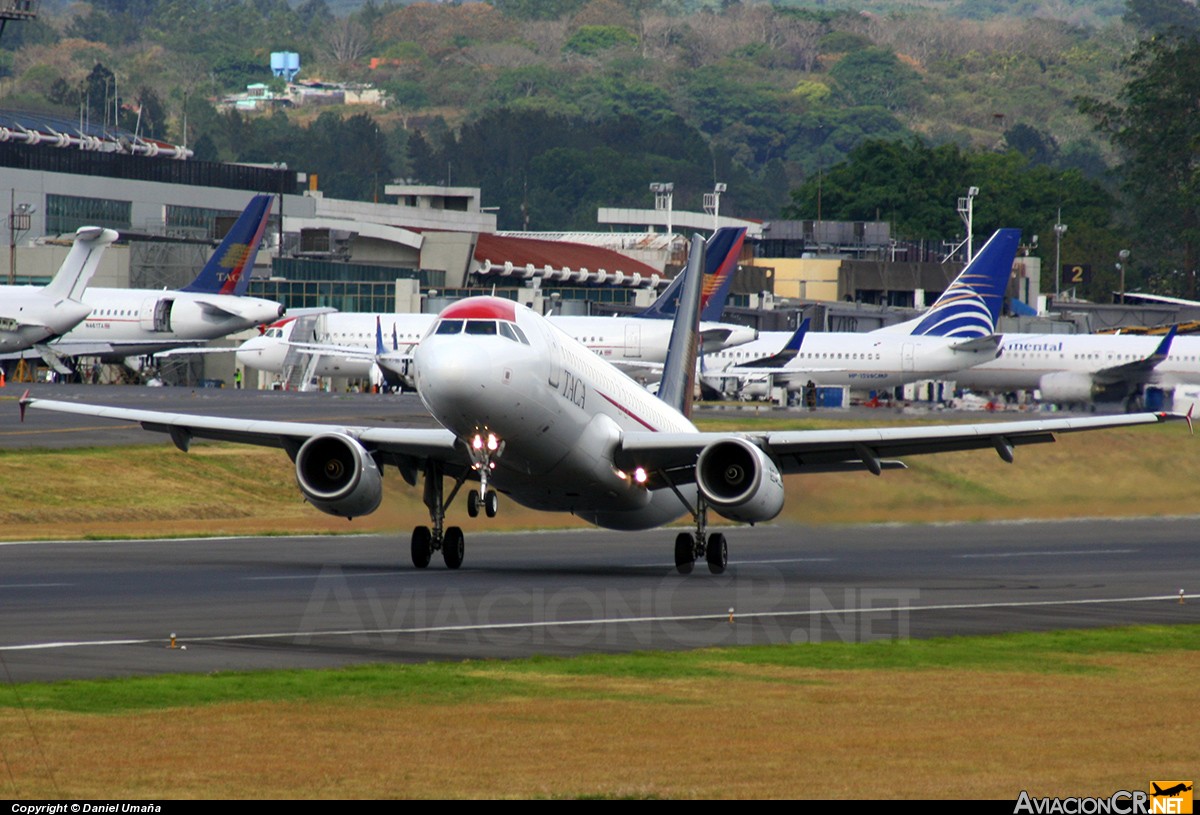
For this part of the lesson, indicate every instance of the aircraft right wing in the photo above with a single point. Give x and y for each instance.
(404, 447)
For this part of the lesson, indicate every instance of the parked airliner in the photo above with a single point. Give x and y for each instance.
(136, 322)
(1083, 368)
(957, 332)
(529, 412)
(30, 315)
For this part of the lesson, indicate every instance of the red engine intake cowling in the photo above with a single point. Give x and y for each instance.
(338, 476)
(740, 481)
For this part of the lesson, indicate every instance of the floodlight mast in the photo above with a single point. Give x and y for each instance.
(17, 10)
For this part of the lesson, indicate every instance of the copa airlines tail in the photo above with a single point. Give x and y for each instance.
(228, 270)
(971, 305)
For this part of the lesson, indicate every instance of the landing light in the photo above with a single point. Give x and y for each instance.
(492, 442)
(639, 475)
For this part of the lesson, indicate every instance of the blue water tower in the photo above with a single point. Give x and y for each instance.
(285, 64)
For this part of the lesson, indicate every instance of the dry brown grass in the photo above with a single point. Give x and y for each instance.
(757, 732)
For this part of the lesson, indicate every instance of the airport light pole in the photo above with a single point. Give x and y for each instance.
(1060, 229)
(966, 210)
(1122, 258)
(712, 204)
(18, 221)
(664, 192)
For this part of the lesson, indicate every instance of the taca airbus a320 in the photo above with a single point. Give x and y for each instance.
(528, 412)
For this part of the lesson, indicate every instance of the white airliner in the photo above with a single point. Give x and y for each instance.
(530, 412)
(30, 315)
(353, 344)
(1083, 368)
(957, 332)
(136, 322)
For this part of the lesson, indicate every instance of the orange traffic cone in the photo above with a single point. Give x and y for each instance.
(2, 382)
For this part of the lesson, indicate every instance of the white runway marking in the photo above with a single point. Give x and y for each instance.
(344, 575)
(740, 616)
(1053, 554)
(34, 585)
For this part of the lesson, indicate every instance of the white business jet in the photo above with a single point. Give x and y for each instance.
(30, 315)
(528, 412)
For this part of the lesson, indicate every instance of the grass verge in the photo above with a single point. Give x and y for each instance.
(1069, 713)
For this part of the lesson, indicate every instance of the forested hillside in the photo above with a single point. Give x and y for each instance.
(556, 106)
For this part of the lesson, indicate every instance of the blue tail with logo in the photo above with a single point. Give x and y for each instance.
(720, 262)
(970, 306)
(228, 270)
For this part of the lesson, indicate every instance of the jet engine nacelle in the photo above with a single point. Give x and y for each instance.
(338, 476)
(740, 481)
(1068, 386)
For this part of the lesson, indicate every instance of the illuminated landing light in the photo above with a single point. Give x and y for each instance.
(492, 442)
(477, 442)
(621, 474)
(639, 475)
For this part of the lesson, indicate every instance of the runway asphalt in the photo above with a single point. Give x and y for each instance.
(108, 609)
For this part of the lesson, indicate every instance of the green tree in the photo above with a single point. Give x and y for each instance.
(874, 76)
(1163, 15)
(1154, 125)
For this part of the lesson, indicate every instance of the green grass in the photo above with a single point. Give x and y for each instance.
(1062, 652)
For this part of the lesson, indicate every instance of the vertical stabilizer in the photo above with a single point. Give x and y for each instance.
(81, 263)
(720, 262)
(228, 270)
(970, 306)
(679, 370)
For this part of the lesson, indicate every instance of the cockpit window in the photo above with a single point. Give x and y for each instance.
(449, 327)
(481, 327)
(513, 332)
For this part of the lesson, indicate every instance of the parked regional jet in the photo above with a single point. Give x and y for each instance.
(527, 411)
(136, 322)
(349, 344)
(957, 332)
(30, 315)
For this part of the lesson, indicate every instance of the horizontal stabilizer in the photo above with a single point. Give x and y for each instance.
(987, 344)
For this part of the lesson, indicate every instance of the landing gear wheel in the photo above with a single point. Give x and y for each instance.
(717, 553)
(422, 546)
(452, 547)
(490, 504)
(685, 553)
(473, 503)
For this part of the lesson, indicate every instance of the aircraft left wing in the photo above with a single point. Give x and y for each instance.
(1139, 369)
(671, 457)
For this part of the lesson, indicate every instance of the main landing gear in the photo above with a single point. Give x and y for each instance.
(691, 546)
(450, 540)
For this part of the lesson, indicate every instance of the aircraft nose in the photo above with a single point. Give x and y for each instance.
(251, 351)
(451, 371)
